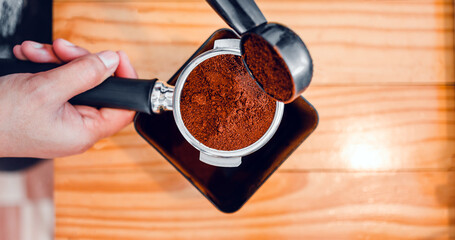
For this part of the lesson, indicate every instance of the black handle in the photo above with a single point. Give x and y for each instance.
(114, 92)
(241, 15)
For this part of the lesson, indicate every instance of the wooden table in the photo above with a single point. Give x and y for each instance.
(379, 166)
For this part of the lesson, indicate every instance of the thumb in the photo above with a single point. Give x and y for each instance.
(79, 75)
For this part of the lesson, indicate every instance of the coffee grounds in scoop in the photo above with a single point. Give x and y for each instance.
(268, 68)
(222, 106)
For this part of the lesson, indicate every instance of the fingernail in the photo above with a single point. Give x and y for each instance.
(37, 45)
(109, 58)
(67, 43)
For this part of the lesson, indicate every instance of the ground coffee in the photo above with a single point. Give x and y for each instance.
(222, 106)
(268, 68)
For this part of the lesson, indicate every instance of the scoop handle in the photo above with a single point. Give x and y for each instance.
(114, 92)
(241, 15)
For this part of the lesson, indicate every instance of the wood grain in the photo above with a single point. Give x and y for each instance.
(379, 166)
(350, 41)
(144, 205)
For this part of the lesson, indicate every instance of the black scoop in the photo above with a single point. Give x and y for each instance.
(275, 56)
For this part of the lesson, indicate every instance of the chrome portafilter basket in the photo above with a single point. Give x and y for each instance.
(209, 155)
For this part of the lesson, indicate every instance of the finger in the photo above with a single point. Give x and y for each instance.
(105, 122)
(78, 76)
(37, 52)
(67, 51)
(125, 69)
(18, 53)
(114, 120)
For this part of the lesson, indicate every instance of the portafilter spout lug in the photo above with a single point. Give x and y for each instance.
(220, 161)
(162, 97)
(227, 43)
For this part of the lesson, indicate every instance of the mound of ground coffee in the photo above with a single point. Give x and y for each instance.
(222, 106)
(268, 68)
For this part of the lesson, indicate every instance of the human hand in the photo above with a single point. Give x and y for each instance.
(36, 119)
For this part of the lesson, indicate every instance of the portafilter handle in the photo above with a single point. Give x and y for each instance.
(147, 96)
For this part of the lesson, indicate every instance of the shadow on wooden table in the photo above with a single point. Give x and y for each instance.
(446, 197)
(448, 192)
(445, 194)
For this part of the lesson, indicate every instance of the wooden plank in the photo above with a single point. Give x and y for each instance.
(361, 128)
(144, 205)
(351, 41)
